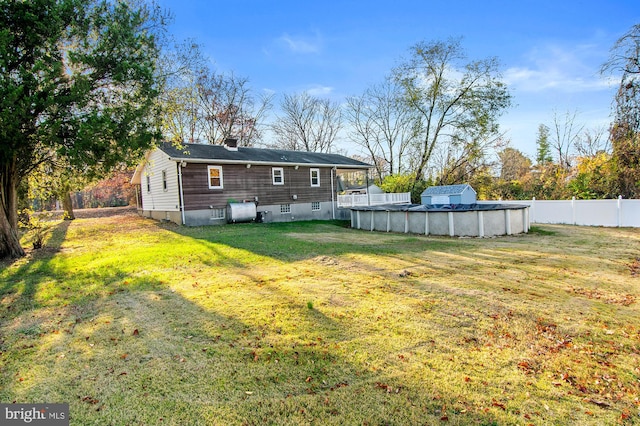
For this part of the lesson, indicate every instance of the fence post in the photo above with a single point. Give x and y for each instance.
(573, 210)
(533, 210)
(619, 211)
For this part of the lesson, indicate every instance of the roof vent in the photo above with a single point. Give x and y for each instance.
(231, 144)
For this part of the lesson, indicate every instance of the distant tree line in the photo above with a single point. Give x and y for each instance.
(115, 191)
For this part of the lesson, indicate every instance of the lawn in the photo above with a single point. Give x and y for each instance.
(135, 322)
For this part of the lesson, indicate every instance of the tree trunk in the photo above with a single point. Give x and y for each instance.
(67, 206)
(9, 240)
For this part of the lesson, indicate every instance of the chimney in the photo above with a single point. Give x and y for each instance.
(231, 144)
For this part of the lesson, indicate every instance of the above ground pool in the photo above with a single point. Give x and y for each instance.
(462, 220)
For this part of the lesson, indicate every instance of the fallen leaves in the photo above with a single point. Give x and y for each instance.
(634, 267)
(388, 388)
(495, 403)
(607, 297)
(89, 400)
(599, 403)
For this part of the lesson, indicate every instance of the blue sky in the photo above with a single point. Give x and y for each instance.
(550, 51)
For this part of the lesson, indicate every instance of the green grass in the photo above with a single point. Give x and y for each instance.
(135, 322)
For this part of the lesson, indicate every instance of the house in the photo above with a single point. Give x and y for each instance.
(449, 194)
(212, 184)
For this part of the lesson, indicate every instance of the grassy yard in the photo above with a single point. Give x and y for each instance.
(135, 322)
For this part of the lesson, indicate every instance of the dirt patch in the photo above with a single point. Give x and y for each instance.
(325, 260)
(95, 213)
(347, 238)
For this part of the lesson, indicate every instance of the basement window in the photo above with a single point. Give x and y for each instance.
(315, 206)
(285, 208)
(215, 177)
(277, 174)
(217, 214)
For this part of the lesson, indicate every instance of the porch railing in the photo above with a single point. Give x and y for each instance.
(373, 199)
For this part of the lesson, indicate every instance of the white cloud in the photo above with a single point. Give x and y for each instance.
(560, 69)
(301, 44)
(318, 90)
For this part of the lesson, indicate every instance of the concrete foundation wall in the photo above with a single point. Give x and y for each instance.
(487, 223)
(300, 211)
(204, 217)
(171, 216)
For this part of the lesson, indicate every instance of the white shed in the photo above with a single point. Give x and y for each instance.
(449, 194)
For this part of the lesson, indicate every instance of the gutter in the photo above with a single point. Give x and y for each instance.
(181, 194)
(333, 202)
(267, 163)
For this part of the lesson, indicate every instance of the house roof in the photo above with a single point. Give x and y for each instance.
(200, 153)
(447, 189)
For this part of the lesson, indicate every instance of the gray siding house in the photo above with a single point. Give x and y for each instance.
(448, 194)
(199, 184)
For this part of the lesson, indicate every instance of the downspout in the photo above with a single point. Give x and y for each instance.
(181, 195)
(366, 179)
(333, 203)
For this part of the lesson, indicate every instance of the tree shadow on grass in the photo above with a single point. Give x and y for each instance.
(122, 356)
(21, 284)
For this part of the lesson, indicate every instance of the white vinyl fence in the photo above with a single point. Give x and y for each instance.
(618, 212)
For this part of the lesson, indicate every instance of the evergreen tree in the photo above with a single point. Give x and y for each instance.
(76, 83)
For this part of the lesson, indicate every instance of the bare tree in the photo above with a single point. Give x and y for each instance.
(457, 163)
(229, 108)
(177, 100)
(458, 102)
(307, 123)
(179, 113)
(593, 142)
(566, 134)
(384, 126)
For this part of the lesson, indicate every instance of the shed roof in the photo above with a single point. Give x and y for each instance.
(243, 155)
(447, 189)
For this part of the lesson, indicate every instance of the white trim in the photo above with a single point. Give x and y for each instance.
(273, 175)
(219, 168)
(317, 170)
(165, 182)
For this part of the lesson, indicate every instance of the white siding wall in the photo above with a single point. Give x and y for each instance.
(159, 198)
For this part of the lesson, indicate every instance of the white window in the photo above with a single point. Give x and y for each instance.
(164, 180)
(315, 206)
(148, 183)
(315, 177)
(215, 177)
(285, 208)
(277, 173)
